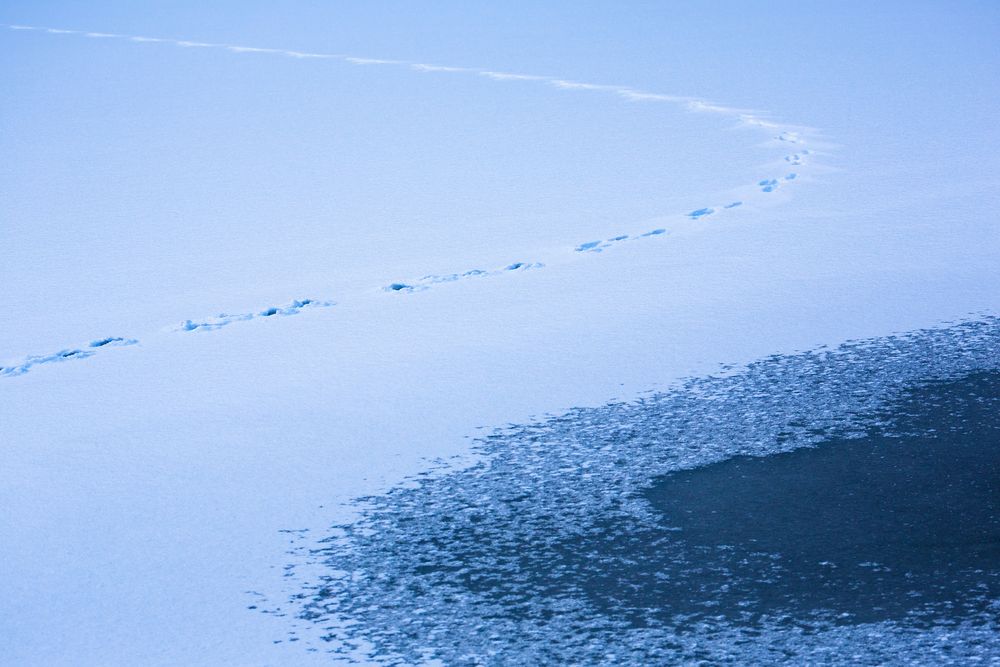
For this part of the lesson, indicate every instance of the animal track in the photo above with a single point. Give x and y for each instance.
(796, 137)
(88, 350)
(95, 346)
(796, 159)
(429, 281)
(600, 246)
(771, 184)
(425, 283)
(766, 185)
(224, 319)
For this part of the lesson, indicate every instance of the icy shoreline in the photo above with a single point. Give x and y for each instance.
(480, 566)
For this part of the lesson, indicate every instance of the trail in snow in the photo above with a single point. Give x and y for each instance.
(782, 134)
(224, 319)
(429, 281)
(68, 354)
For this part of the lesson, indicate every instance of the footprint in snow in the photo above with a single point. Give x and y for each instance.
(429, 281)
(796, 159)
(768, 185)
(83, 352)
(593, 246)
(224, 319)
(600, 246)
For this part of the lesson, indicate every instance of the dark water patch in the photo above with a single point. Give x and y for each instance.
(572, 539)
(903, 523)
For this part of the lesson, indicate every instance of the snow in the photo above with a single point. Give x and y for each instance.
(405, 276)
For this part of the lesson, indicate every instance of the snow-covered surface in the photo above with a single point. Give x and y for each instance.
(437, 222)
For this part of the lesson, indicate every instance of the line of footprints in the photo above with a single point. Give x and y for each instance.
(211, 324)
(766, 185)
(427, 282)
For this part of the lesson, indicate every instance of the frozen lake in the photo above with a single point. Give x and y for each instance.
(807, 508)
(258, 263)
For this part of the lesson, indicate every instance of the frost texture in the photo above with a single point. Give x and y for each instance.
(511, 560)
